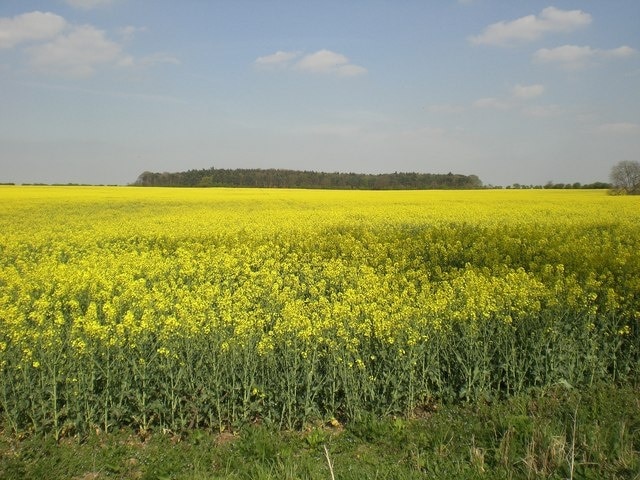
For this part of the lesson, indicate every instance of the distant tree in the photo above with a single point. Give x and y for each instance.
(625, 177)
(206, 181)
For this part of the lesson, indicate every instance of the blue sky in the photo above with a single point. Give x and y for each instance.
(98, 91)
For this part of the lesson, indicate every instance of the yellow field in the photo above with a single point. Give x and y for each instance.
(151, 209)
(188, 307)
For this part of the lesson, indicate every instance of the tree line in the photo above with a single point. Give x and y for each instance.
(281, 178)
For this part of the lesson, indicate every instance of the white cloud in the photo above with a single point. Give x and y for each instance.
(53, 45)
(527, 91)
(322, 62)
(575, 57)
(326, 61)
(77, 53)
(279, 59)
(532, 27)
(29, 27)
(89, 4)
(621, 128)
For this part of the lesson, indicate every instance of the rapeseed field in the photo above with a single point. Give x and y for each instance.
(209, 308)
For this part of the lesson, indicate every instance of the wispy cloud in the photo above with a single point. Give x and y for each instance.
(543, 111)
(621, 128)
(331, 129)
(89, 4)
(320, 62)
(519, 93)
(492, 103)
(574, 57)
(157, 58)
(532, 27)
(518, 99)
(527, 91)
(136, 96)
(127, 33)
(424, 132)
(445, 108)
(52, 45)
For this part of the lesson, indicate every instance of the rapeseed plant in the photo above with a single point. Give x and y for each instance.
(175, 308)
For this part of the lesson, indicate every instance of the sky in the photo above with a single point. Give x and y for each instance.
(529, 92)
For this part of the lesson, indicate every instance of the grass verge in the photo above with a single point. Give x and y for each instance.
(553, 434)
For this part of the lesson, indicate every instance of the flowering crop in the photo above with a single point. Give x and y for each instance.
(180, 308)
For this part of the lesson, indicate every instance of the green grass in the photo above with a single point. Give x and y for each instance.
(553, 434)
